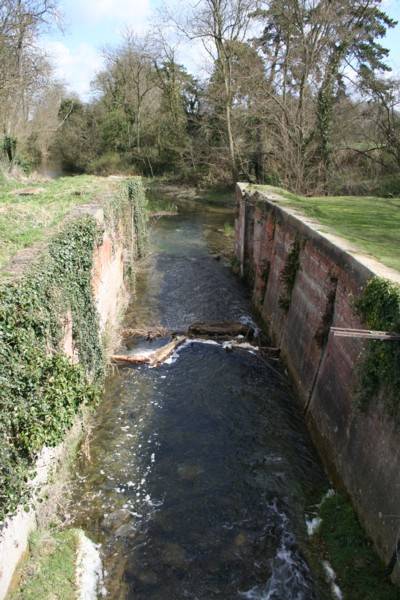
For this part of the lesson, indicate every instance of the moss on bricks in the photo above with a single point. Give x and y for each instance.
(342, 541)
(379, 308)
(289, 274)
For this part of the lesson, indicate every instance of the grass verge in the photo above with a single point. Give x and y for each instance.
(26, 220)
(49, 572)
(371, 223)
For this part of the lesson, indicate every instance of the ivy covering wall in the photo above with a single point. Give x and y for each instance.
(379, 308)
(289, 274)
(41, 390)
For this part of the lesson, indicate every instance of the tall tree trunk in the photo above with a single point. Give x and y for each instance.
(226, 72)
(232, 153)
(325, 105)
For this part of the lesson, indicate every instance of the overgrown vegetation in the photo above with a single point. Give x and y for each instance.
(372, 224)
(379, 308)
(129, 210)
(137, 201)
(342, 541)
(289, 274)
(41, 389)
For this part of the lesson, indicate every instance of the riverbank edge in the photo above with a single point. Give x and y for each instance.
(118, 244)
(303, 282)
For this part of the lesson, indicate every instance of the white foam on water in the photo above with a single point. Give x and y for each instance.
(313, 525)
(89, 570)
(174, 357)
(289, 570)
(247, 320)
(331, 579)
(226, 345)
(329, 494)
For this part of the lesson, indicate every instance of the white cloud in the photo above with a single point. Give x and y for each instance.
(134, 11)
(76, 67)
(90, 25)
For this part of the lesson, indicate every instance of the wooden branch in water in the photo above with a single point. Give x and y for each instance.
(150, 358)
(150, 334)
(160, 355)
(219, 328)
(269, 351)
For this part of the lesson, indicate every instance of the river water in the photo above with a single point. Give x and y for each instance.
(199, 472)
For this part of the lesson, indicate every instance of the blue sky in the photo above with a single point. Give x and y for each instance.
(392, 7)
(90, 25)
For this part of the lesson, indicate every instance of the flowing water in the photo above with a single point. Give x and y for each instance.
(200, 470)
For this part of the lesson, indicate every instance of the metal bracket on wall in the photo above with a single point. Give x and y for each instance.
(381, 336)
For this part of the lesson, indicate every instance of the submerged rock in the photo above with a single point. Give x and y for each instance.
(174, 555)
(189, 472)
(116, 519)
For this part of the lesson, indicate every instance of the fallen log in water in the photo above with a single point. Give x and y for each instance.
(163, 213)
(150, 334)
(269, 351)
(160, 355)
(153, 357)
(220, 329)
(217, 329)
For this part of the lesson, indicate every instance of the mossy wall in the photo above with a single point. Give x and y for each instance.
(379, 308)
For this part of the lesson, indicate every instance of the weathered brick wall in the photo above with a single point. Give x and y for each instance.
(109, 293)
(360, 450)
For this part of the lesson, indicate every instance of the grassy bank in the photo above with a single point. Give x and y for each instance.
(50, 571)
(372, 224)
(27, 219)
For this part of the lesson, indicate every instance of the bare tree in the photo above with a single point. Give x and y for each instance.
(311, 46)
(24, 70)
(220, 24)
(130, 74)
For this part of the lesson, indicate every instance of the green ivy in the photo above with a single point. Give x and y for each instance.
(379, 308)
(129, 210)
(41, 390)
(342, 541)
(137, 199)
(289, 274)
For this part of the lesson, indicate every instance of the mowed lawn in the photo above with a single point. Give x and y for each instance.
(372, 224)
(25, 220)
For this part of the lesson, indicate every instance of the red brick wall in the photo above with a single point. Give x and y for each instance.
(362, 450)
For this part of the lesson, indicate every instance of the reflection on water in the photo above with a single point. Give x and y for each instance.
(199, 470)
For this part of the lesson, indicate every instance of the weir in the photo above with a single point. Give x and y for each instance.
(200, 470)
